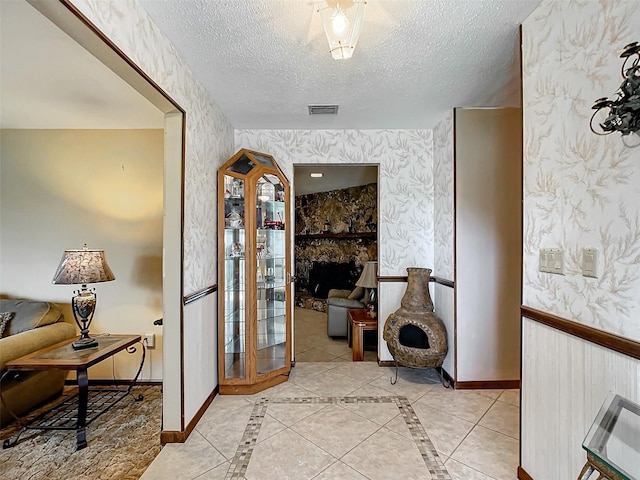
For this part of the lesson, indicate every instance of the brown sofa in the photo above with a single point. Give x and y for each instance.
(34, 325)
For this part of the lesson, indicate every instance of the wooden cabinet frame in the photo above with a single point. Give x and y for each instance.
(243, 281)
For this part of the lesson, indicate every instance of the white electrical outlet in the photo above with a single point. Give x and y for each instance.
(150, 340)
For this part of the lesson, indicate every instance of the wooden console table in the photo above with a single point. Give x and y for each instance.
(79, 411)
(359, 321)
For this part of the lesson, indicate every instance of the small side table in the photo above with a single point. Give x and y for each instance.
(601, 470)
(79, 411)
(360, 321)
(613, 450)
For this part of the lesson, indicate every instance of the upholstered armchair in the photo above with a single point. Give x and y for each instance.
(338, 303)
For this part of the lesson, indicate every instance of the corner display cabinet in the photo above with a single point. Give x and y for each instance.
(253, 248)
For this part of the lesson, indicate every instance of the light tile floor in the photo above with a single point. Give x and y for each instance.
(475, 433)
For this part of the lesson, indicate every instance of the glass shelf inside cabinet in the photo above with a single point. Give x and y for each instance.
(234, 273)
(234, 211)
(613, 441)
(234, 245)
(271, 275)
(272, 342)
(234, 338)
(272, 327)
(271, 216)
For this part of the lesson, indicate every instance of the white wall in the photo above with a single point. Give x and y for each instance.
(444, 307)
(477, 241)
(488, 173)
(62, 188)
(208, 143)
(443, 198)
(405, 157)
(443, 235)
(565, 380)
(580, 190)
(201, 314)
(405, 192)
(389, 297)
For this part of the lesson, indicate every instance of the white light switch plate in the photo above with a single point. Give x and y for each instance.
(551, 260)
(589, 262)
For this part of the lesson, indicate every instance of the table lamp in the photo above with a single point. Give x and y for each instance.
(369, 280)
(80, 267)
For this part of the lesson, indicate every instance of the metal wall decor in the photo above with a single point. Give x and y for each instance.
(624, 111)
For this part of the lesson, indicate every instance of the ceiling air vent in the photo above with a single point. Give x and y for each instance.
(323, 109)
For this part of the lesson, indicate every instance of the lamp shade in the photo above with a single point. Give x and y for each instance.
(369, 277)
(79, 267)
(342, 21)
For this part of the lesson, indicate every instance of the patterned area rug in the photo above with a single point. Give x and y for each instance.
(121, 444)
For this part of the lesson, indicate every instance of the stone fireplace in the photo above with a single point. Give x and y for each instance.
(327, 275)
(335, 236)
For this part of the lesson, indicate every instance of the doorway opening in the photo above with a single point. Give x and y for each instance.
(166, 259)
(336, 234)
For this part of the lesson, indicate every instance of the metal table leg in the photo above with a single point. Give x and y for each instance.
(83, 399)
(75, 413)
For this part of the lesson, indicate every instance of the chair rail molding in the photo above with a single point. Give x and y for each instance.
(600, 337)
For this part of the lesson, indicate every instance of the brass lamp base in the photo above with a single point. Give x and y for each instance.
(84, 305)
(86, 342)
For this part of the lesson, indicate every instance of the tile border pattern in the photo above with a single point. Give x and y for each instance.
(240, 462)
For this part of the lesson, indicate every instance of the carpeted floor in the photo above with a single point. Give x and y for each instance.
(312, 344)
(121, 444)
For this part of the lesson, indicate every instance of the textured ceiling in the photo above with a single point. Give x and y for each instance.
(48, 81)
(264, 61)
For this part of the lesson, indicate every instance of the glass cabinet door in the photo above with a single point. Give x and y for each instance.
(271, 275)
(254, 304)
(234, 279)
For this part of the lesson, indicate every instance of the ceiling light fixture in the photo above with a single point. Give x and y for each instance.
(342, 21)
(317, 174)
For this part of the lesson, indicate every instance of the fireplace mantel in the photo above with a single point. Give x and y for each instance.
(344, 236)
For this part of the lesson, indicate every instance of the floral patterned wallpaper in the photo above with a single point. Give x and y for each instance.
(443, 189)
(209, 136)
(405, 159)
(581, 190)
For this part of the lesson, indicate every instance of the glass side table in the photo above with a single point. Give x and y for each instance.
(613, 441)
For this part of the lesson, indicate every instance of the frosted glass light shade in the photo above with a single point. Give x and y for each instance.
(342, 21)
